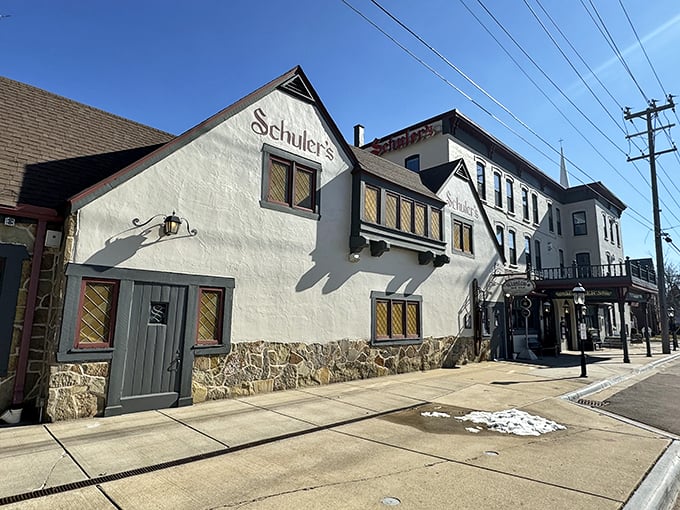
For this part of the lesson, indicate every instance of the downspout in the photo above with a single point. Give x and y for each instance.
(24, 346)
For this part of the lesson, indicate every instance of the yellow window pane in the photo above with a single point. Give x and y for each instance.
(397, 318)
(412, 319)
(391, 211)
(278, 182)
(436, 224)
(95, 322)
(209, 316)
(304, 180)
(371, 204)
(406, 215)
(381, 319)
(467, 238)
(457, 235)
(420, 220)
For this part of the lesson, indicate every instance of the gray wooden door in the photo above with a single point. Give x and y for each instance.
(153, 364)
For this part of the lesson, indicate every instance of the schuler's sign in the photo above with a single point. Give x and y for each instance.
(518, 286)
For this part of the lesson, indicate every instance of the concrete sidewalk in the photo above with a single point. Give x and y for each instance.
(597, 462)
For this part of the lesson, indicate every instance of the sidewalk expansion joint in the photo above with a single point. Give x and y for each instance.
(96, 481)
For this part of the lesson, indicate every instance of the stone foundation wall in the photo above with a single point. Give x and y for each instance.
(77, 390)
(256, 367)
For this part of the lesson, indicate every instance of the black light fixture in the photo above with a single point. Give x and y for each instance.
(579, 294)
(547, 307)
(171, 224)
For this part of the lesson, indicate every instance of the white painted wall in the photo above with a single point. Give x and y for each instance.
(293, 279)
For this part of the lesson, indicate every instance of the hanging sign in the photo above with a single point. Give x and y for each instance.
(518, 286)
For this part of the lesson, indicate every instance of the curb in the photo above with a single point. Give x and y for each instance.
(661, 486)
(600, 385)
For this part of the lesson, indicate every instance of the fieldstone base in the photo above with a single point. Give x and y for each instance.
(257, 367)
(77, 390)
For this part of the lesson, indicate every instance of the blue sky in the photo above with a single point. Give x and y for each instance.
(171, 64)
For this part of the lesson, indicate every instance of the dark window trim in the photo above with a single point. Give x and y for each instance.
(498, 189)
(551, 218)
(510, 197)
(481, 183)
(269, 152)
(77, 345)
(512, 247)
(525, 203)
(558, 220)
(414, 158)
(463, 223)
(220, 317)
(583, 225)
(534, 207)
(390, 297)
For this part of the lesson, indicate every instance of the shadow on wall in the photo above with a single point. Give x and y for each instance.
(330, 256)
(120, 247)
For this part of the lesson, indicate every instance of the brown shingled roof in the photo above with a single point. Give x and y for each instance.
(52, 147)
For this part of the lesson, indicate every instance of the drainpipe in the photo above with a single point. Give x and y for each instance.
(24, 346)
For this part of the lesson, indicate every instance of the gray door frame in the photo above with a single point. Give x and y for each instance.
(117, 353)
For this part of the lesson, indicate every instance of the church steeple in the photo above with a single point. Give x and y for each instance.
(564, 177)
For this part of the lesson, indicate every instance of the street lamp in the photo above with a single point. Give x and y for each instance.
(671, 325)
(579, 294)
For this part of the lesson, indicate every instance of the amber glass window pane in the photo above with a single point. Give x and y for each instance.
(96, 313)
(371, 204)
(209, 316)
(381, 330)
(278, 182)
(304, 188)
(436, 224)
(397, 318)
(391, 210)
(412, 319)
(420, 220)
(457, 235)
(467, 238)
(406, 215)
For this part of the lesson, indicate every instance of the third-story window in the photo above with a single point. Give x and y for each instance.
(372, 204)
(550, 218)
(419, 219)
(500, 237)
(406, 216)
(537, 255)
(534, 206)
(558, 221)
(616, 231)
(604, 223)
(436, 224)
(413, 163)
(525, 204)
(510, 195)
(462, 236)
(401, 213)
(580, 226)
(481, 181)
(497, 193)
(611, 230)
(512, 248)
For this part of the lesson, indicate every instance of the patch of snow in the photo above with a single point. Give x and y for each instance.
(435, 414)
(474, 430)
(513, 421)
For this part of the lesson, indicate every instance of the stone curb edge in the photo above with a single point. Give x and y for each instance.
(606, 383)
(661, 486)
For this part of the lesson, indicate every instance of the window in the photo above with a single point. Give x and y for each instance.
(210, 312)
(435, 224)
(604, 223)
(525, 204)
(611, 230)
(527, 251)
(291, 184)
(97, 313)
(512, 247)
(396, 318)
(372, 204)
(462, 236)
(406, 215)
(509, 195)
(537, 255)
(579, 220)
(481, 181)
(500, 237)
(534, 206)
(558, 219)
(391, 207)
(413, 163)
(497, 193)
(551, 226)
(561, 257)
(616, 231)
(419, 219)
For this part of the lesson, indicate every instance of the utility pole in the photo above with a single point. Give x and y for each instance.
(651, 111)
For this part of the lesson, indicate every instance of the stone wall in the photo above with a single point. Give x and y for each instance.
(77, 390)
(256, 367)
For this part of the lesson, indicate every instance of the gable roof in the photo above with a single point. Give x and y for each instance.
(435, 177)
(52, 147)
(293, 82)
(391, 172)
